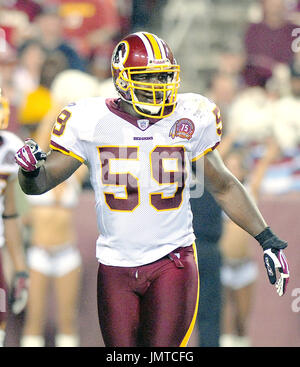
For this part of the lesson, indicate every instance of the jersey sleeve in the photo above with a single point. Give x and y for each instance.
(65, 136)
(208, 134)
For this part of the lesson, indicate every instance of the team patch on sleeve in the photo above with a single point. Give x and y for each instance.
(183, 128)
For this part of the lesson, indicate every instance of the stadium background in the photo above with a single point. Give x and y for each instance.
(208, 38)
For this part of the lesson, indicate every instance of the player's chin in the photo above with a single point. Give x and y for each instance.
(149, 98)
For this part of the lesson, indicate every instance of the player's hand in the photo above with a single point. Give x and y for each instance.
(19, 295)
(277, 269)
(274, 259)
(30, 157)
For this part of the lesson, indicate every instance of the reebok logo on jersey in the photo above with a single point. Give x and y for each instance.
(183, 128)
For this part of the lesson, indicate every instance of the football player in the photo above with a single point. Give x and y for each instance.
(10, 230)
(138, 148)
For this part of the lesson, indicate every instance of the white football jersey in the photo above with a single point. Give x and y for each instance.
(140, 171)
(9, 144)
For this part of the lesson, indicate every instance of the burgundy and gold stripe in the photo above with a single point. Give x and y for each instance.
(192, 325)
(205, 152)
(65, 151)
(154, 46)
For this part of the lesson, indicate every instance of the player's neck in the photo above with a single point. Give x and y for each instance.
(128, 108)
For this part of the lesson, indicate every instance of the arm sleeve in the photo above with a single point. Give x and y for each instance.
(65, 136)
(209, 133)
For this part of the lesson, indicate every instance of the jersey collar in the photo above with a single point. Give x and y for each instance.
(113, 104)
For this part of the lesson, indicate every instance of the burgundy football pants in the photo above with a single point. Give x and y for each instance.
(154, 305)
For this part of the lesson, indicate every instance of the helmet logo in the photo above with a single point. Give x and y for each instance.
(120, 55)
(183, 128)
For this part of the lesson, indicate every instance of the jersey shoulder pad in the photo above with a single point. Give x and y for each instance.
(86, 105)
(81, 115)
(200, 107)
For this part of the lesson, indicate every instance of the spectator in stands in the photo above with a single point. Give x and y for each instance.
(146, 14)
(38, 101)
(15, 25)
(287, 109)
(208, 225)
(56, 247)
(283, 175)
(53, 258)
(222, 89)
(49, 31)
(29, 7)
(11, 238)
(267, 43)
(91, 26)
(31, 56)
(239, 270)
(250, 114)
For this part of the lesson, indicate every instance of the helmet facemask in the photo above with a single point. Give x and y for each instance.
(146, 74)
(160, 95)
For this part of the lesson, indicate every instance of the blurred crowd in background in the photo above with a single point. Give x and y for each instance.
(249, 65)
(244, 55)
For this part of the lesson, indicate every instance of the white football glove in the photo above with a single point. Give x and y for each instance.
(30, 157)
(274, 259)
(275, 262)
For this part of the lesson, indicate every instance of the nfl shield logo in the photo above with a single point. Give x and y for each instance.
(143, 124)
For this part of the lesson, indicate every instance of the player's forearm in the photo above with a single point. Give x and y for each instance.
(54, 170)
(34, 183)
(240, 207)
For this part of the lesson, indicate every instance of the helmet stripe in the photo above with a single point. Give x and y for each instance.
(161, 46)
(147, 44)
(154, 45)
